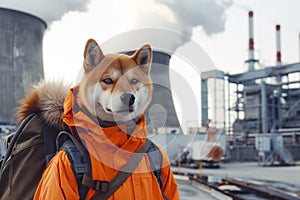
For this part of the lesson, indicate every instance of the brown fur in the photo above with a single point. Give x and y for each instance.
(47, 98)
(30, 104)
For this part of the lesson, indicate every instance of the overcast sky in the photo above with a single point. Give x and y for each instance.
(219, 27)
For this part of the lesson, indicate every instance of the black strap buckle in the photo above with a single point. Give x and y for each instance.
(102, 186)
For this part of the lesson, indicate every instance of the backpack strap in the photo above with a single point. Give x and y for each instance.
(124, 173)
(50, 135)
(79, 158)
(155, 159)
(14, 139)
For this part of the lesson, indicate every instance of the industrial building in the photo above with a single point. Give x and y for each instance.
(261, 116)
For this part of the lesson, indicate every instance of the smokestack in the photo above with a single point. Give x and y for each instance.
(278, 46)
(251, 60)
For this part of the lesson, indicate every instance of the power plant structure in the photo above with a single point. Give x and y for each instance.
(21, 57)
(262, 109)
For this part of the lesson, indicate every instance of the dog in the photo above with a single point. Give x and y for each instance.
(115, 87)
(113, 93)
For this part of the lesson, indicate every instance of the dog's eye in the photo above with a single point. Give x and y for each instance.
(134, 81)
(108, 81)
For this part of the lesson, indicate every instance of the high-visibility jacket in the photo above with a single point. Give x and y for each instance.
(109, 149)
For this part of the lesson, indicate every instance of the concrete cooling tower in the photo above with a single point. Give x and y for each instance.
(21, 57)
(161, 112)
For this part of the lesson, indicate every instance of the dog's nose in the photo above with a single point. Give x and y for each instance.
(127, 99)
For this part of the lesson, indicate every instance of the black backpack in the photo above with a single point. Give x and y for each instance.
(34, 144)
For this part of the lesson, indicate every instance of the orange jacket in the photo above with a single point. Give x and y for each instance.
(109, 149)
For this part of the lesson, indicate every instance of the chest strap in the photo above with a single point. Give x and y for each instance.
(106, 189)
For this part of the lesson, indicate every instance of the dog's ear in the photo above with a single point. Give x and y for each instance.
(92, 55)
(143, 58)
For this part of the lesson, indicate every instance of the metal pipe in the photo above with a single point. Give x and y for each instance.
(204, 101)
(284, 83)
(299, 52)
(299, 47)
(264, 115)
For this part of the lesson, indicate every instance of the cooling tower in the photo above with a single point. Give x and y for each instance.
(161, 112)
(21, 57)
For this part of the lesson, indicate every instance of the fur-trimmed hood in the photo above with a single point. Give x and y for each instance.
(46, 98)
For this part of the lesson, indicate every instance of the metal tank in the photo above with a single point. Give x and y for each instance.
(21, 57)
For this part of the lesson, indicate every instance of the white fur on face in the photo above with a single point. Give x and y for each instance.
(93, 94)
(107, 104)
(142, 97)
(99, 102)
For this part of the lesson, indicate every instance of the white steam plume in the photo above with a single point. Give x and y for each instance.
(48, 10)
(178, 15)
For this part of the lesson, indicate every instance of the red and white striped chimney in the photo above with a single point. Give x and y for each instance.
(278, 46)
(251, 60)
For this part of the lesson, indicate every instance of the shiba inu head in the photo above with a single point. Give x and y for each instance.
(115, 87)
